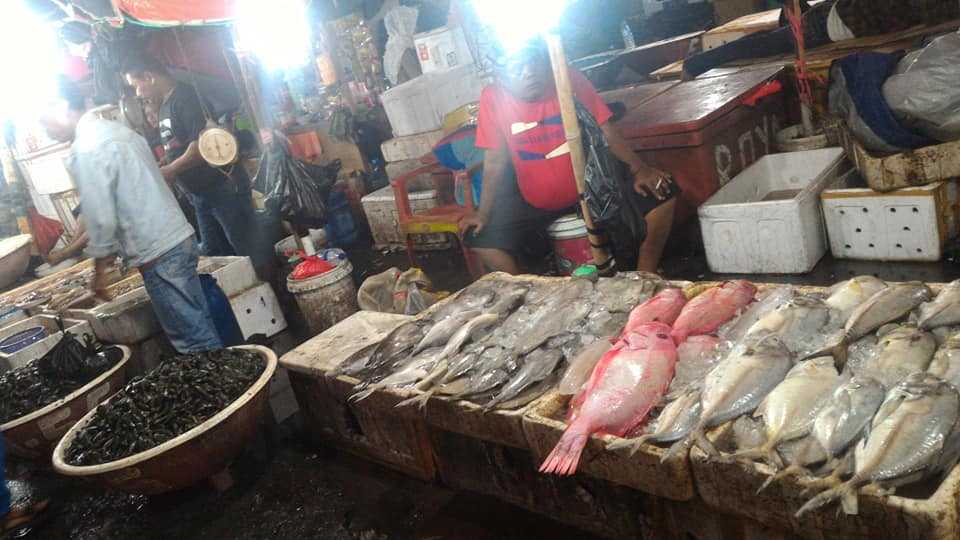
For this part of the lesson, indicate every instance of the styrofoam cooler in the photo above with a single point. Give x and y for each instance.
(380, 208)
(410, 147)
(910, 224)
(419, 105)
(767, 219)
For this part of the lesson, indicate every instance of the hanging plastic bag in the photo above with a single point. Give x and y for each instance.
(607, 189)
(923, 92)
(294, 190)
(376, 292)
(401, 24)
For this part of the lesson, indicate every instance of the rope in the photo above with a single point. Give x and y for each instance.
(803, 76)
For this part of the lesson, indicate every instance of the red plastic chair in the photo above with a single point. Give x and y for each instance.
(442, 219)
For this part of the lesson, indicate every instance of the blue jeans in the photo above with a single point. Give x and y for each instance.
(225, 221)
(174, 287)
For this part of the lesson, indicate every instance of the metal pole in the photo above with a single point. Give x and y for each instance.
(571, 126)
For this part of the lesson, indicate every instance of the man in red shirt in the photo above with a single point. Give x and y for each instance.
(520, 125)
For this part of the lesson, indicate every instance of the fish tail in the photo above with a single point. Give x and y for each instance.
(362, 394)
(565, 457)
(704, 444)
(791, 470)
(679, 448)
(420, 400)
(767, 453)
(846, 491)
(632, 444)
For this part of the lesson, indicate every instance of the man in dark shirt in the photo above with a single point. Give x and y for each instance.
(220, 197)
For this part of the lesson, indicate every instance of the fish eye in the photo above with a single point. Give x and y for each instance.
(662, 336)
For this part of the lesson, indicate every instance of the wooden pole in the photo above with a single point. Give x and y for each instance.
(806, 116)
(571, 126)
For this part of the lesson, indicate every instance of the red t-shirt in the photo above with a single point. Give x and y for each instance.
(534, 134)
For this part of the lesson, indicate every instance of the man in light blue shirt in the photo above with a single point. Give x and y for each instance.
(130, 211)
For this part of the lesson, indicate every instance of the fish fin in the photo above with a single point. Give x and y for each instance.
(850, 502)
(845, 491)
(832, 481)
(565, 457)
(420, 400)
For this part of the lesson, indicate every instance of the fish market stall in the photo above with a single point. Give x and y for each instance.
(788, 400)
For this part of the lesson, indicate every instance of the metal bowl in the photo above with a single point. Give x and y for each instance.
(188, 458)
(34, 435)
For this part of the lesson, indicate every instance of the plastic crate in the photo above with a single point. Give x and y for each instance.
(909, 224)
(767, 219)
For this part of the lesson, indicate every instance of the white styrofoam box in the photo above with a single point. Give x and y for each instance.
(233, 274)
(258, 311)
(767, 219)
(909, 224)
(380, 208)
(442, 49)
(410, 147)
(40, 348)
(419, 105)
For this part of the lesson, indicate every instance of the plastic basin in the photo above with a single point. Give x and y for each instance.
(34, 435)
(14, 258)
(22, 339)
(188, 458)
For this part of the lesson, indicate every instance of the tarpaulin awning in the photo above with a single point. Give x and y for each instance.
(178, 12)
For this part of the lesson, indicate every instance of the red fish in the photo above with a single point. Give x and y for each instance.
(665, 307)
(705, 313)
(626, 383)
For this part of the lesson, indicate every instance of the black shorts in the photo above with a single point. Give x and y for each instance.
(519, 228)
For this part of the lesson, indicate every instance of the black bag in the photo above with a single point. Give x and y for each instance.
(295, 191)
(608, 190)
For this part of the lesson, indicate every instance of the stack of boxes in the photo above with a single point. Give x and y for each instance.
(416, 110)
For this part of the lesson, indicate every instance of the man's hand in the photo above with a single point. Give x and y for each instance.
(475, 222)
(99, 286)
(169, 174)
(651, 182)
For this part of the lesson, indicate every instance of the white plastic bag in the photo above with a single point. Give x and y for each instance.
(401, 23)
(923, 92)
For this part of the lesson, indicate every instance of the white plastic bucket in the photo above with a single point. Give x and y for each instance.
(326, 299)
(571, 246)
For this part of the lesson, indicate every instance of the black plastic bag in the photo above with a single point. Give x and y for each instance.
(295, 191)
(608, 190)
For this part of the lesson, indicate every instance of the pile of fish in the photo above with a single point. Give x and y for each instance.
(500, 343)
(853, 387)
(178, 395)
(68, 366)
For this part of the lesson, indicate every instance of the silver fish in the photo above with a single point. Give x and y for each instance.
(901, 351)
(414, 369)
(838, 426)
(735, 330)
(508, 301)
(905, 443)
(789, 410)
(494, 368)
(946, 361)
(800, 323)
(536, 367)
(674, 422)
(556, 315)
(944, 310)
(847, 295)
(625, 291)
(391, 351)
(736, 386)
(886, 305)
(441, 332)
(580, 368)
